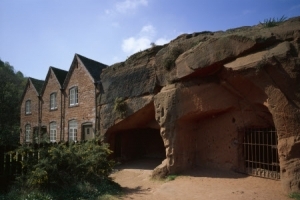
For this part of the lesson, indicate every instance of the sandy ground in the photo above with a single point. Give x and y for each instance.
(200, 183)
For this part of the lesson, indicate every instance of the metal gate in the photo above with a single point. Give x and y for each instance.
(260, 152)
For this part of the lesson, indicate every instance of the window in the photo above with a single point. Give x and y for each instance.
(27, 133)
(53, 104)
(28, 107)
(73, 130)
(73, 96)
(53, 132)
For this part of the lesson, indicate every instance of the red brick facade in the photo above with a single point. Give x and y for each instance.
(84, 111)
(32, 116)
(53, 113)
(64, 117)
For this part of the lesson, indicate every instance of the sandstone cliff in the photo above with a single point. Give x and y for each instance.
(187, 101)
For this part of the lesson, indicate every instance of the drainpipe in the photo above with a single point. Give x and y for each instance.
(39, 118)
(96, 117)
(62, 114)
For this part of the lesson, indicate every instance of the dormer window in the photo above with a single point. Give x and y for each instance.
(28, 107)
(53, 103)
(73, 96)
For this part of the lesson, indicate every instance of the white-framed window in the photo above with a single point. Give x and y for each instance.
(28, 107)
(53, 132)
(73, 96)
(27, 133)
(73, 130)
(53, 104)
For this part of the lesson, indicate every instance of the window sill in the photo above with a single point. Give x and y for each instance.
(53, 109)
(28, 113)
(75, 105)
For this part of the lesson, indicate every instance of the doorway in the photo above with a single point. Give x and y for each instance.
(87, 131)
(260, 152)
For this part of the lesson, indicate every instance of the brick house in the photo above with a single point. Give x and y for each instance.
(52, 95)
(63, 107)
(30, 113)
(81, 88)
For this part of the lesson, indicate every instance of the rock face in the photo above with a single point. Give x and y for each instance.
(186, 102)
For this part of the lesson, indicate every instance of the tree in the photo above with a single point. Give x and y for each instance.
(11, 89)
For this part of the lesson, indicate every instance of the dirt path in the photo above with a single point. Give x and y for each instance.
(201, 183)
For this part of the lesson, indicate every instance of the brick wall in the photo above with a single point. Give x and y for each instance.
(85, 111)
(52, 115)
(31, 118)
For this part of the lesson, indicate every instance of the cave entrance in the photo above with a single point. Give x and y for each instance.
(138, 144)
(260, 152)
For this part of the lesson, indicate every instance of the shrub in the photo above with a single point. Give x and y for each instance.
(65, 171)
(271, 22)
(63, 164)
(120, 107)
(170, 57)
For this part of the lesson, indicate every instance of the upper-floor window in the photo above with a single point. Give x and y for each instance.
(53, 104)
(28, 107)
(27, 133)
(53, 132)
(73, 130)
(73, 96)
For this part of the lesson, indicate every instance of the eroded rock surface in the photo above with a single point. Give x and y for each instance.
(197, 92)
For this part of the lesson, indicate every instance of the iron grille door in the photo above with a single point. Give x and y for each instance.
(260, 152)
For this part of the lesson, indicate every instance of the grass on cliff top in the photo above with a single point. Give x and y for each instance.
(271, 22)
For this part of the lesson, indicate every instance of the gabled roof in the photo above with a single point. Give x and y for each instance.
(93, 67)
(37, 84)
(58, 73)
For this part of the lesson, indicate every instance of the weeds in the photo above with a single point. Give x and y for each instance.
(170, 57)
(120, 107)
(171, 177)
(271, 22)
(295, 196)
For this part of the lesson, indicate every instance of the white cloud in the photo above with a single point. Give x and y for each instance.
(161, 41)
(148, 29)
(133, 45)
(142, 41)
(126, 5)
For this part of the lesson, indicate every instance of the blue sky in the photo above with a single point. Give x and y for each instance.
(36, 34)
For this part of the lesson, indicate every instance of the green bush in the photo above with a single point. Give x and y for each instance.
(65, 171)
(64, 164)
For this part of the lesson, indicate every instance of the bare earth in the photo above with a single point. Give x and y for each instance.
(200, 183)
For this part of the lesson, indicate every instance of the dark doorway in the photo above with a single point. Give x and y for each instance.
(39, 135)
(138, 143)
(260, 152)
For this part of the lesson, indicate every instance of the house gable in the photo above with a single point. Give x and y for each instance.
(53, 106)
(59, 75)
(30, 113)
(80, 95)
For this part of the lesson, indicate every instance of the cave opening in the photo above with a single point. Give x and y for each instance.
(138, 143)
